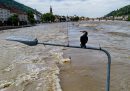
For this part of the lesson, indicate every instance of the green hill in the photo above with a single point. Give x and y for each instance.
(14, 4)
(120, 12)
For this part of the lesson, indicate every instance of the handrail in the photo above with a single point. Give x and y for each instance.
(92, 48)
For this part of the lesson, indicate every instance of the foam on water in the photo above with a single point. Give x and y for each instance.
(33, 68)
(24, 68)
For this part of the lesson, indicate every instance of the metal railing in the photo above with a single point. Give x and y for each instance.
(35, 42)
(92, 48)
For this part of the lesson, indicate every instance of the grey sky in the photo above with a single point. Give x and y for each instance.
(88, 8)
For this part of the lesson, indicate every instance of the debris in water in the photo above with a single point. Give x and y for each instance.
(67, 60)
(5, 84)
(11, 67)
(59, 55)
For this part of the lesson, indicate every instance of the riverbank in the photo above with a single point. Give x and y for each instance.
(12, 27)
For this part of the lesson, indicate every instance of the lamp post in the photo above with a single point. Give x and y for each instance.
(34, 42)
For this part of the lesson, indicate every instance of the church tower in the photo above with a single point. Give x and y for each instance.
(51, 10)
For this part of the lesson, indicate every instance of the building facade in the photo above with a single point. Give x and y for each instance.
(37, 17)
(4, 14)
(21, 15)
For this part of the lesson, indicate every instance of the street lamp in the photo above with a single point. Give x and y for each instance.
(34, 42)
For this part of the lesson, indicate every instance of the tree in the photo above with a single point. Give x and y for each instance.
(14, 20)
(76, 18)
(31, 17)
(48, 17)
(128, 17)
(1, 23)
(120, 12)
(62, 19)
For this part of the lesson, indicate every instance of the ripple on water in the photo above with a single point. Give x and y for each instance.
(119, 34)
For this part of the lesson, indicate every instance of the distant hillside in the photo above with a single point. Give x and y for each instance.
(14, 4)
(120, 12)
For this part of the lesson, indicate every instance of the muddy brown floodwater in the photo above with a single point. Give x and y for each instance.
(86, 72)
(31, 68)
(48, 68)
(87, 69)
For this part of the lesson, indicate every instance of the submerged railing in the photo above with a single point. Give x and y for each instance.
(34, 42)
(92, 48)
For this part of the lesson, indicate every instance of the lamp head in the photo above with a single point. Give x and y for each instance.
(25, 40)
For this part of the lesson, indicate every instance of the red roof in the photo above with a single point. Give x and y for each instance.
(17, 11)
(3, 6)
(12, 9)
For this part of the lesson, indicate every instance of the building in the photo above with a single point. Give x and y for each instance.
(4, 13)
(124, 17)
(37, 17)
(21, 15)
(7, 11)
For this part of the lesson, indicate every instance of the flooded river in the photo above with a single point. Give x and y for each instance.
(25, 68)
(31, 68)
(87, 70)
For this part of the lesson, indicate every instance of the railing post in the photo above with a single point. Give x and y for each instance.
(108, 70)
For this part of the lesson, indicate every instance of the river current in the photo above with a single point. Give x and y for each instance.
(34, 68)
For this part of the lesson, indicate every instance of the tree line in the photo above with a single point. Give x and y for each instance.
(45, 18)
(120, 12)
(49, 17)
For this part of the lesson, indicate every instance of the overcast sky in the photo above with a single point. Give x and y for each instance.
(88, 8)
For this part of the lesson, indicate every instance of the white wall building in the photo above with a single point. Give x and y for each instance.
(37, 17)
(4, 14)
(23, 17)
